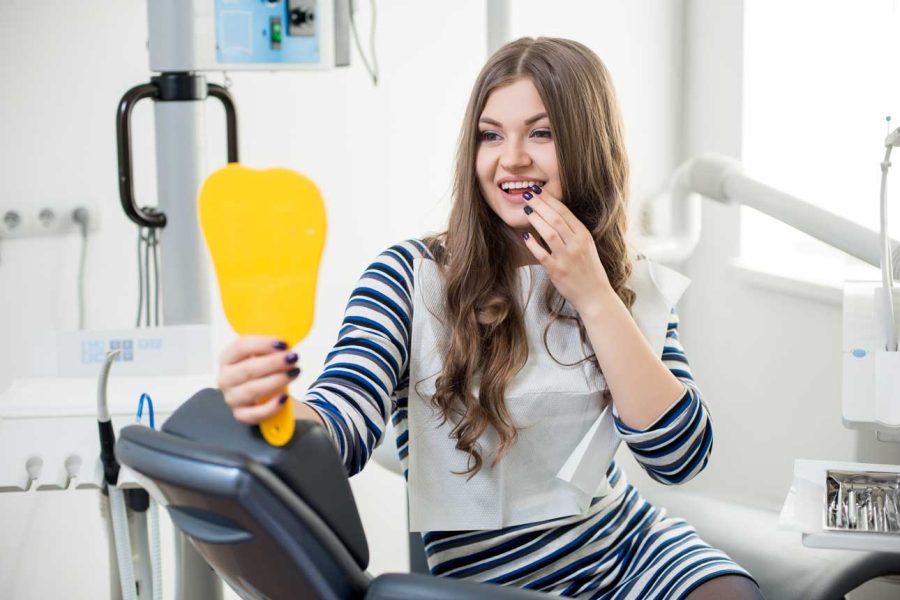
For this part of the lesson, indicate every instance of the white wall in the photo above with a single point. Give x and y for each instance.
(382, 156)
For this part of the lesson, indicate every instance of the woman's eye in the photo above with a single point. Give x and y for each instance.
(544, 133)
(488, 136)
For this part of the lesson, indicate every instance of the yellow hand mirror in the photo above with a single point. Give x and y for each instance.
(265, 231)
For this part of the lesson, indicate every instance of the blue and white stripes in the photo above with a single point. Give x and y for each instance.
(622, 548)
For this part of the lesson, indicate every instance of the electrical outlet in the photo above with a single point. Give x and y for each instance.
(51, 217)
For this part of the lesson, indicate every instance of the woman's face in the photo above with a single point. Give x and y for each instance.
(515, 147)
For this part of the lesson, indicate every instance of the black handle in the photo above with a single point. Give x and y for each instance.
(148, 217)
(217, 91)
(164, 88)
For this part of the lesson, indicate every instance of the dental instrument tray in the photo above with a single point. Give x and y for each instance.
(862, 501)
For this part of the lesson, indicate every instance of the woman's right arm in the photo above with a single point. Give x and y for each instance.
(352, 395)
(370, 357)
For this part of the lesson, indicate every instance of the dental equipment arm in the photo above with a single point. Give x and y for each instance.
(722, 179)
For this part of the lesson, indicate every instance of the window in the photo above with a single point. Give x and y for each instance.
(819, 79)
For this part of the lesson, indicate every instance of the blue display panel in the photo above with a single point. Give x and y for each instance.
(266, 31)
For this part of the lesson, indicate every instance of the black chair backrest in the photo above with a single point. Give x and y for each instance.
(273, 522)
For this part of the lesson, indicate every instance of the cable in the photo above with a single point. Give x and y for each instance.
(156, 276)
(147, 276)
(140, 409)
(887, 269)
(80, 216)
(372, 71)
(140, 278)
(148, 280)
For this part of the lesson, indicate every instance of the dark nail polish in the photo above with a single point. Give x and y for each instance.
(528, 210)
(280, 345)
(527, 195)
(291, 358)
(537, 189)
(294, 372)
(283, 399)
(526, 235)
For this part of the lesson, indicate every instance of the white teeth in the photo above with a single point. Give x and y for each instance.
(518, 185)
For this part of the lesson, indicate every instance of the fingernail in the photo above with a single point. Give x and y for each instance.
(294, 372)
(528, 210)
(280, 345)
(537, 189)
(291, 358)
(526, 235)
(527, 195)
(283, 399)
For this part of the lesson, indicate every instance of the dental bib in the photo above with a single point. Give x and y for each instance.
(567, 436)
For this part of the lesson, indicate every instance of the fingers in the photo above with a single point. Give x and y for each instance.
(255, 414)
(539, 253)
(249, 393)
(233, 375)
(554, 212)
(250, 345)
(254, 372)
(548, 233)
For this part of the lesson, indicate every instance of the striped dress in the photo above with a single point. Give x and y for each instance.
(623, 547)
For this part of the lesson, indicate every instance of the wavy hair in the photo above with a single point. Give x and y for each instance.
(486, 337)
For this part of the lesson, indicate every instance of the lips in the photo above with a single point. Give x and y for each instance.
(514, 196)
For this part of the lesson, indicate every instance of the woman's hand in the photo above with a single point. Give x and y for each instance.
(573, 264)
(252, 368)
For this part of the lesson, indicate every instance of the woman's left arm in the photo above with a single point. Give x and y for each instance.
(642, 387)
(656, 403)
(677, 445)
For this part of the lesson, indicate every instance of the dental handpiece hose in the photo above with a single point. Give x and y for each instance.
(104, 424)
(117, 510)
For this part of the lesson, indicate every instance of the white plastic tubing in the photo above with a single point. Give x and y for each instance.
(155, 553)
(122, 542)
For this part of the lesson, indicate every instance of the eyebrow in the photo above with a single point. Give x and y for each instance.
(528, 121)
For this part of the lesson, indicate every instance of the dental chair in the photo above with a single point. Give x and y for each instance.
(273, 522)
(784, 568)
(282, 522)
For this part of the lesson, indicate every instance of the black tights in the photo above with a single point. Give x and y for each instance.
(732, 587)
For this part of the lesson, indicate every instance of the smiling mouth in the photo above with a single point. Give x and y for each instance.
(518, 191)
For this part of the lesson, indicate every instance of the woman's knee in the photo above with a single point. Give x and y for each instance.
(733, 587)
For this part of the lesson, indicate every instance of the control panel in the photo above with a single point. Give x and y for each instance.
(222, 35)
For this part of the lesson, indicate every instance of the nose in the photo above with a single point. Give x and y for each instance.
(515, 156)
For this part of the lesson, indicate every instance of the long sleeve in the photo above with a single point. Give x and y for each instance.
(353, 393)
(677, 446)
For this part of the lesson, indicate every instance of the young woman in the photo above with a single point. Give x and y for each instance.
(514, 350)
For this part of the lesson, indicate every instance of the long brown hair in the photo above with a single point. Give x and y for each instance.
(487, 335)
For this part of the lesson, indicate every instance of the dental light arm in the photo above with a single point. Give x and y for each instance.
(722, 179)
